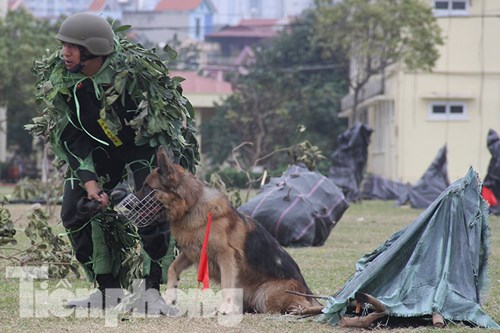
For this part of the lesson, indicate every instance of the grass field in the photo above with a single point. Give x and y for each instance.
(363, 227)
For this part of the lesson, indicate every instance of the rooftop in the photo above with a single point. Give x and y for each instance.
(197, 84)
(251, 28)
(177, 5)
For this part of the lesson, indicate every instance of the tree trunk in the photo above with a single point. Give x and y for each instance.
(3, 133)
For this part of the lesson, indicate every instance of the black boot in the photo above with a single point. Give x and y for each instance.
(108, 294)
(147, 299)
(154, 278)
(153, 301)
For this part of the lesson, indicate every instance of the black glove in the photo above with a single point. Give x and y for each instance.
(86, 208)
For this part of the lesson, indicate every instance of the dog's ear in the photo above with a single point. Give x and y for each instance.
(165, 167)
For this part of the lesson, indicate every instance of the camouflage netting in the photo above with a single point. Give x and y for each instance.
(437, 264)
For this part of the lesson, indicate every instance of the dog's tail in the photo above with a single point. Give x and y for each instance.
(307, 295)
(313, 299)
(315, 307)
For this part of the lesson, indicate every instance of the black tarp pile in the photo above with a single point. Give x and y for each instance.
(300, 208)
(430, 185)
(349, 161)
(492, 179)
(437, 264)
(421, 195)
(379, 188)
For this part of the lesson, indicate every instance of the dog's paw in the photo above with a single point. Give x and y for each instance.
(227, 308)
(295, 310)
(171, 296)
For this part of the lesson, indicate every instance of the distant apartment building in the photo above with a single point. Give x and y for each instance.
(226, 12)
(189, 19)
(159, 20)
(110, 8)
(231, 12)
(230, 49)
(241, 25)
(53, 9)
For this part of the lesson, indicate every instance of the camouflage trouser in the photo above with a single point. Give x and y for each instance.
(86, 235)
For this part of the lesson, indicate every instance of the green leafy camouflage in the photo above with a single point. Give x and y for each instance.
(164, 116)
(7, 229)
(48, 248)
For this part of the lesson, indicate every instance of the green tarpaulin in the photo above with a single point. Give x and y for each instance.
(437, 264)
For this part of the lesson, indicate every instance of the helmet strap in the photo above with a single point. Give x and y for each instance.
(84, 56)
(77, 68)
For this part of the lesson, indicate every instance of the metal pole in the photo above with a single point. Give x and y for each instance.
(3, 108)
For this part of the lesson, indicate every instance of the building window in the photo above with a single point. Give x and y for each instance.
(451, 7)
(448, 111)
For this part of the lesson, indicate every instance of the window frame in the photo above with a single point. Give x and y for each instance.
(447, 115)
(450, 11)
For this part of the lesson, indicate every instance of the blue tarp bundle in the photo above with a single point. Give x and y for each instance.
(437, 264)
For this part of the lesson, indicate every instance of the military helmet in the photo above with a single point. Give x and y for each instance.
(90, 31)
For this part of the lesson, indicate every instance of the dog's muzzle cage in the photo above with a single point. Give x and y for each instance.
(141, 212)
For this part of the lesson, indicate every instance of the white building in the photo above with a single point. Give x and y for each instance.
(52, 9)
(231, 12)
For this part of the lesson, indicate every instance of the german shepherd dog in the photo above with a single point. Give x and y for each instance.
(241, 252)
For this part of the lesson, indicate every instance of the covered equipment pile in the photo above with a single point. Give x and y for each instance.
(299, 208)
(349, 161)
(437, 264)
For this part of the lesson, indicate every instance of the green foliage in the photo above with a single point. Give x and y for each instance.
(215, 180)
(27, 189)
(289, 84)
(7, 230)
(53, 250)
(231, 178)
(22, 38)
(48, 248)
(123, 241)
(304, 152)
